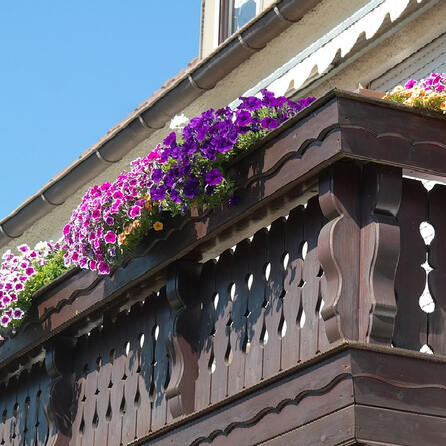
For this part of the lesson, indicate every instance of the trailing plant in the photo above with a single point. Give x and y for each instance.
(185, 170)
(23, 274)
(427, 93)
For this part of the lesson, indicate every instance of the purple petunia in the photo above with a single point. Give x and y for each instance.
(184, 169)
(214, 177)
(270, 123)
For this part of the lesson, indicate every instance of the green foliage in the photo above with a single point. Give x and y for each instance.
(45, 274)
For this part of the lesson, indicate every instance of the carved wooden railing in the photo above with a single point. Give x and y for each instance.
(324, 251)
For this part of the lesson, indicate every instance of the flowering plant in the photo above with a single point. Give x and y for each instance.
(427, 93)
(23, 274)
(183, 171)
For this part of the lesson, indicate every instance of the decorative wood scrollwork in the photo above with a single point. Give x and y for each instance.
(58, 364)
(359, 250)
(338, 244)
(380, 249)
(182, 291)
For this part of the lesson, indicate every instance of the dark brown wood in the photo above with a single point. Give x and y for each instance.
(206, 327)
(256, 309)
(379, 252)
(292, 300)
(411, 322)
(181, 293)
(239, 335)
(59, 364)
(310, 333)
(160, 360)
(379, 426)
(437, 277)
(257, 415)
(22, 410)
(338, 125)
(338, 250)
(336, 428)
(274, 298)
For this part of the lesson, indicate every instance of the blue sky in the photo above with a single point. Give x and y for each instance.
(70, 70)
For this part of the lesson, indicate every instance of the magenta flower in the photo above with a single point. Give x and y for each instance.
(17, 313)
(30, 271)
(410, 83)
(110, 237)
(4, 320)
(134, 211)
(103, 268)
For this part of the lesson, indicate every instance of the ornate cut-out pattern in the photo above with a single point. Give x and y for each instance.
(420, 321)
(122, 372)
(23, 401)
(254, 301)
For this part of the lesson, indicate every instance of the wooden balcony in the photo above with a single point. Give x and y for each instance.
(292, 318)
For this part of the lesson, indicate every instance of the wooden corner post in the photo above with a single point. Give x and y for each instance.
(358, 249)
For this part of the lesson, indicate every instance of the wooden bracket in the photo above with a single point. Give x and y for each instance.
(338, 249)
(182, 291)
(380, 250)
(58, 363)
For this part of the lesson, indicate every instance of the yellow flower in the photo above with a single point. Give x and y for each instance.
(121, 239)
(158, 226)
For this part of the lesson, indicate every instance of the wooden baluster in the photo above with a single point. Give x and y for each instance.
(144, 414)
(273, 297)
(256, 307)
(130, 384)
(219, 388)
(206, 329)
(117, 397)
(8, 420)
(161, 368)
(3, 393)
(29, 409)
(43, 425)
(411, 322)
(241, 268)
(292, 301)
(437, 277)
(104, 345)
(311, 293)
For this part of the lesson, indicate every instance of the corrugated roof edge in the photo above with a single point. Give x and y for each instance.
(152, 114)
